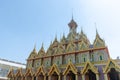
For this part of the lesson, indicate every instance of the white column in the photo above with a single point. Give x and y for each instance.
(97, 76)
(83, 77)
(105, 76)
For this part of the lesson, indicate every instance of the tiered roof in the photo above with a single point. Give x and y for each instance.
(73, 42)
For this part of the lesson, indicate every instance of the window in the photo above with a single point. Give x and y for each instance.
(92, 58)
(101, 57)
(33, 63)
(84, 59)
(57, 62)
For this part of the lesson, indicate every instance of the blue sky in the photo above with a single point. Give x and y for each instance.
(24, 23)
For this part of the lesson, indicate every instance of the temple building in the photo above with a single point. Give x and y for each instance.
(70, 58)
(5, 65)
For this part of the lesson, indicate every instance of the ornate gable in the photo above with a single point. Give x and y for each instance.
(49, 51)
(33, 54)
(10, 73)
(88, 66)
(55, 42)
(111, 64)
(41, 53)
(53, 69)
(59, 49)
(28, 72)
(84, 38)
(98, 42)
(19, 73)
(82, 45)
(63, 40)
(70, 67)
(71, 47)
(40, 70)
(71, 37)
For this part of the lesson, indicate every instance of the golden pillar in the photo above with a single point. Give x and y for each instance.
(76, 76)
(36, 77)
(83, 77)
(49, 77)
(44, 77)
(59, 77)
(97, 76)
(25, 78)
(64, 77)
(105, 76)
(32, 77)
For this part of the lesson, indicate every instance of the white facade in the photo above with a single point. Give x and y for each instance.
(6, 65)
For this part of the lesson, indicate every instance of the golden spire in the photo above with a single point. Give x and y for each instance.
(72, 25)
(34, 47)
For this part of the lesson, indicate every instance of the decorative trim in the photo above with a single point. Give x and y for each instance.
(69, 67)
(87, 66)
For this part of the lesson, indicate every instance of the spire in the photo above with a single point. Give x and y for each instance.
(63, 39)
(72, 14)
(81, 30)
(42, 51)
(55, 42)
(33, 54)
(34, 47)
(42, 48)
(98, 42)
(72, 25)
(56, 38)
(97, 34)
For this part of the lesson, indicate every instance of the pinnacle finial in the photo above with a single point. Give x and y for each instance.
(34, 47)
(81, 30)
(95, 25)
(56, 37)
(97, 34)
(96, 30)
(42, 45)
(72, 13)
